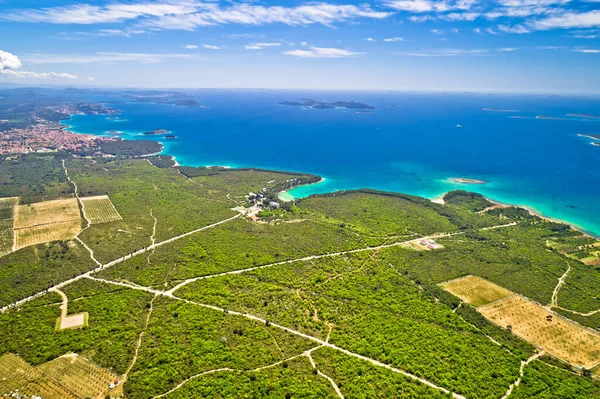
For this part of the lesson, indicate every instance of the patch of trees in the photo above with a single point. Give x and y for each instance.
(130, 147)
(472, 201)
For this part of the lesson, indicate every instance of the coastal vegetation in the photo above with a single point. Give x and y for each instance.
(202, 287)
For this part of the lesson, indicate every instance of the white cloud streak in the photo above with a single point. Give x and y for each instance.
(190, 15)
(260, 46)
(322, 52)
(103, 57)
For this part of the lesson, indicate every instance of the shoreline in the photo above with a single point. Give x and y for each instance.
(438, 199)
(532, 211)
(286, 197)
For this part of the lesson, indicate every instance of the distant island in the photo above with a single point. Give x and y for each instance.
(464, 180)
(592, 136)
(585, 116)
(499, 110)
(171, 97)
(547, 117)
(156, 132)
(308, 103)
(170, 136)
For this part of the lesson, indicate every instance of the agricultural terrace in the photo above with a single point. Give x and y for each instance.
(7, 206)
(100, 209)
(83, 377)
(475, 290)
(46, 221)
(19, 377)
(69, 376)
(556, 335)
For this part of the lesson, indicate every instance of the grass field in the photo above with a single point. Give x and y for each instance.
(558, 337)
(17, 374)
(100, 209)
(84, 378)
(46, 233)
(7, 206)
(475, 290)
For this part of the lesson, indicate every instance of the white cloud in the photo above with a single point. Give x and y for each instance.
(477, 30)
(423, 18)
(585, 34)
(437, 31)
(103, 57)
(393, 39)
(119, 32)
(587, 51)
(191, 14)
(589, 19)
(260, 46)
(211, 47)
(507, 49)
(10, 65)
(519, 29)
(463, 16)
(491, 31)
(190, 47)
(9, 61)
(446, 53)
(369, 39)
(304, 44)
(322, 52)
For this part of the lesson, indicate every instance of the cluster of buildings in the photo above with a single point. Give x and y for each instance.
(46, 138)
(430, 244)
(261, 201)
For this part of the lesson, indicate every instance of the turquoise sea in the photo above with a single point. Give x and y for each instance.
(412, 143)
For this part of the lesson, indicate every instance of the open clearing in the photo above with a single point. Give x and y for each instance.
(546, 330)
(7, 206)
(100, 209)
(74, 321)
(476, 290)
(46, 221)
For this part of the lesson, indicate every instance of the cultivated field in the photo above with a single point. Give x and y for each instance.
(46, 221)
(84, 378)
(100, 209)
(475, 290)
(48, 212)
(46, 233)
(17, 374)
(557, 336)
(6, 224)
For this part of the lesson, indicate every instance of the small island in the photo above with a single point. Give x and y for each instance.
(308, 103)
(156, 132)
(547, 117)
(588, 116)
(499, 110)
(170, 136)
(464, 180)
(592, 136)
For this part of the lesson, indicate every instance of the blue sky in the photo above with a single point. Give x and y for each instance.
(534, 46)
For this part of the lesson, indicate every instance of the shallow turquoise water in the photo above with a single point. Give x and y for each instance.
(414, 147)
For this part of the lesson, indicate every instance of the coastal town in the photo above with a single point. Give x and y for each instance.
(37, 130)
(48, 137)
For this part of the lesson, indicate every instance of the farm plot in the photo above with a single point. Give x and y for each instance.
(100, 209)
(7, 206)
(81, 376)
(46, 221)
(476, 290)
(17, 374)
(549, 331)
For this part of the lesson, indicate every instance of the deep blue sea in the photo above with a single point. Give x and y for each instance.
(415, 146)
